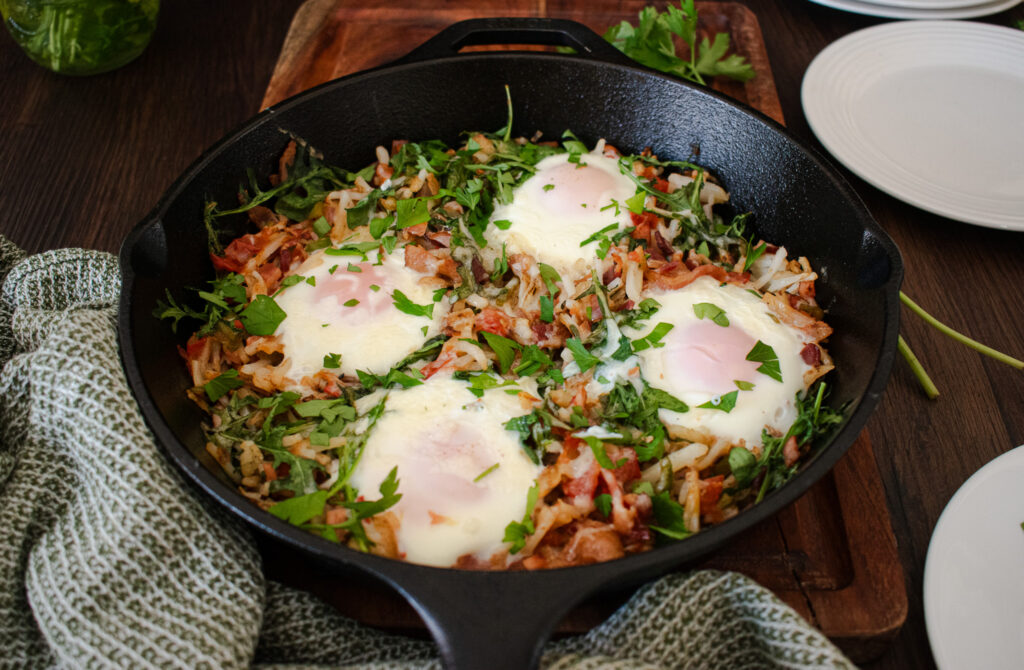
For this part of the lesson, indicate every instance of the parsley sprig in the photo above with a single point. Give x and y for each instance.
(651, 43)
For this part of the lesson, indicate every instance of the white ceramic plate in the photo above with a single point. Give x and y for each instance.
(929, 4)
(918, 11)
(974, 572)
(929, 112)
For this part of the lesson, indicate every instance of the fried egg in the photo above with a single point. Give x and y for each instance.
(560, 207)
(707, 361)
(463, 476)
(345, 305)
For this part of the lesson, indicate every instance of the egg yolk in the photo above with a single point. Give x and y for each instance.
(570, 187)
(445, 459)
(711, 357)
(346, 285)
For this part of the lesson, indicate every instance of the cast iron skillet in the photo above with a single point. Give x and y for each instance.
(501, 620)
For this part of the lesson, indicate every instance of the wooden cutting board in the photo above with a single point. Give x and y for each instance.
(831, 555)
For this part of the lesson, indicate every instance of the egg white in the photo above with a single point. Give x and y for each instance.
(559, 207)
(442, 438)
(371, 335)
(700, 362)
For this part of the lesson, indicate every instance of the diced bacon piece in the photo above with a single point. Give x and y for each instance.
(494, 321)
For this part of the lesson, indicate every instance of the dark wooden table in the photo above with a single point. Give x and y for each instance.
(82, 160)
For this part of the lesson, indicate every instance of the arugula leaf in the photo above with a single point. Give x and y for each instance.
(262, 316)
(725, 402)
(765, 355)
(404, 304)
(707, 310)
(221, 384)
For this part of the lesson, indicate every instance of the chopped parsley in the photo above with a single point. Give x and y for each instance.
(221, 384)
(765, 355)
(725, 402)
(653, 339)
(404, 304)
(262, 316)
(712, 312)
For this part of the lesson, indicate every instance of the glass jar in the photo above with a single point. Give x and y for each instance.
(81, 36)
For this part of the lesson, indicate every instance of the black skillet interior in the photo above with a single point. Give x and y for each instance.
(500, 620)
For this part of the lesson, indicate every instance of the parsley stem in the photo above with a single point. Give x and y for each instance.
(927, 384)
(960, 337)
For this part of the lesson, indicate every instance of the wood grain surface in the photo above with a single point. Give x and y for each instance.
(835, 539)
(83, 159)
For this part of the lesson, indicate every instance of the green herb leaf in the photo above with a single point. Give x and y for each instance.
(603, 503)
(742, 385)
(221, 384)
(584, 358)
(517, 532)
(635, 203)
(547, 309)
(321, 226)
(404, 304)
(752, 254)
(653, 339)
(300, 509)
(725, 402)
(262, 316)
(707, 310)
(743, 466)
(669, 517)
(332, 361)
(503, 347)
(550, 276)
(411, 212)
(486, 472)
(502, 224)
(765, 355)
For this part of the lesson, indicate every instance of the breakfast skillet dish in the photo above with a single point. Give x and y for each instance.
(512, 354)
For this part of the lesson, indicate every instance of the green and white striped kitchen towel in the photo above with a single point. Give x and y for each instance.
(107, 559)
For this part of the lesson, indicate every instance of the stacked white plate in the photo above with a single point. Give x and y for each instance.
(930, 112)
(921, 9)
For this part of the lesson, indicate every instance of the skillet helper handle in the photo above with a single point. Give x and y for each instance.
(499, 31)
(497, 621)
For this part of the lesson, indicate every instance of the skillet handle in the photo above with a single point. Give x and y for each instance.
(498, 621)
(551, 32)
